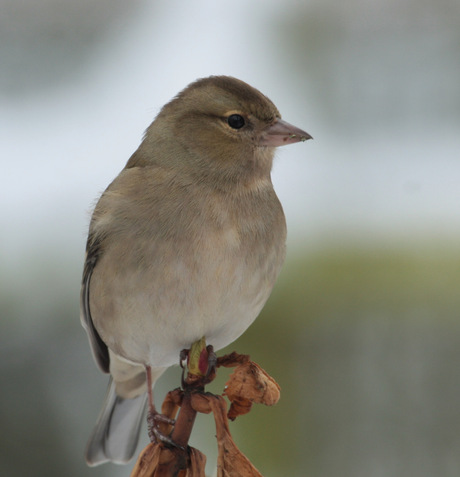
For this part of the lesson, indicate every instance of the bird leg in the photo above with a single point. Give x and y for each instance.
(154, 417)
(212, 362)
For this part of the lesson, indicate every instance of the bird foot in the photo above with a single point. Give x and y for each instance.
(212, 361)
(154, 418)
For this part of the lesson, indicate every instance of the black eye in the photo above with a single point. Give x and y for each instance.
(235, 121)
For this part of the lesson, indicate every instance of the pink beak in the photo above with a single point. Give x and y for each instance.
(281, 133)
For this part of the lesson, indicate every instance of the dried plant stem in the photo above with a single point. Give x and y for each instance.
(184, 423)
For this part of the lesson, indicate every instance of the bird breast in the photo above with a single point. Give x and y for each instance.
(198, 267)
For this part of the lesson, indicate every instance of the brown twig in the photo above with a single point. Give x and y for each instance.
(248, 383)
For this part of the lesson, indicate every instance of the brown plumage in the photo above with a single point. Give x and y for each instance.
(186, 242)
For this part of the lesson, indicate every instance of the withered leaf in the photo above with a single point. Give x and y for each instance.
(247, 384)
(147, 461)
(159, 461)
(231, 462)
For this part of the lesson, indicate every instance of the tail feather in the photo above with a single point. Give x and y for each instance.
(116, 434)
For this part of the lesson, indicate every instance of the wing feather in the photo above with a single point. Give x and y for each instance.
(98, 347)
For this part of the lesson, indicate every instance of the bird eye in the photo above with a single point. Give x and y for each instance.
(235, 121)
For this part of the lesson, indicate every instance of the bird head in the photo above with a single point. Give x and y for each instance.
(224, 128)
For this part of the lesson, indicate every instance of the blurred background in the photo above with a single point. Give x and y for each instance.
(362, 331)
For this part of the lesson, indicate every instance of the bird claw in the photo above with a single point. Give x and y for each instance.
(152, 420)
(158, 436)
(212, 360)
(155, 435)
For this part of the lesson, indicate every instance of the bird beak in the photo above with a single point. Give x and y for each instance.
(281, 133)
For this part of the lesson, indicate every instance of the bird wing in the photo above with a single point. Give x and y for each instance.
(98, 347)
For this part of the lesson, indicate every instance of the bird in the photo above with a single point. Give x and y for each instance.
(186, 242)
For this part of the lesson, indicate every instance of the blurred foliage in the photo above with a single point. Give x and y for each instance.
(345, 329)
(365, 344)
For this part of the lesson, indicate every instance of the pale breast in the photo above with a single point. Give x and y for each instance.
(161, 285)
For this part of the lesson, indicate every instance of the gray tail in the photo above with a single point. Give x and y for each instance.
(116, 434)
